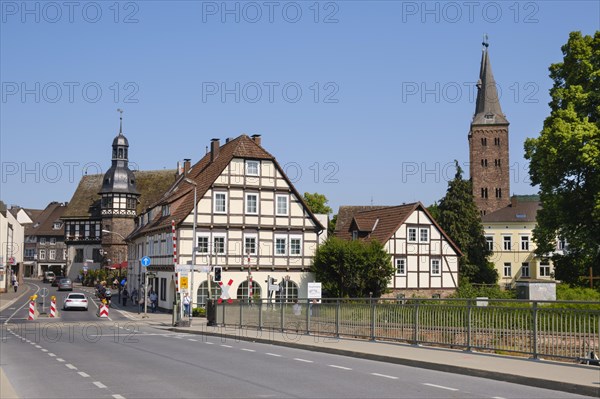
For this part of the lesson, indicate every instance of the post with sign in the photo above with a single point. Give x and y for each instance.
(144, 263)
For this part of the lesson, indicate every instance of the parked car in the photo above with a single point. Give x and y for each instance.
(75, 300)
(56, 280)
(65, 284)
(49, 277)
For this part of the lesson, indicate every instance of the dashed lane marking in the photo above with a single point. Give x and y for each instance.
(227, 346)
(69, 365)
(58, 359)
(248, 350)
(303, 360)
(209, 343)
(99, 384)
(192, 339)
(118, 397)
(273, 354)
(85, 375)
(339, 367)
(44, 350)
(391, 377)
(51, 355)
(440, 386)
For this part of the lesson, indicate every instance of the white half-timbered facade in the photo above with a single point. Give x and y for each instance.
(425, 259)
(250, 221)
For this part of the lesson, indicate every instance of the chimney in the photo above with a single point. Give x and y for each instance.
(214, 149)
(186, 166)
(256, 138)
(513, 201)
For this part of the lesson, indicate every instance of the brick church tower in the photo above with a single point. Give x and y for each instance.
(488, 144)
(119, 201)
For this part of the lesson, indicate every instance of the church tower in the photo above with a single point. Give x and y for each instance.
(119, 201)
(488, 143)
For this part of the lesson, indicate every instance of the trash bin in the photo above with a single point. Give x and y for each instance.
(211, 313)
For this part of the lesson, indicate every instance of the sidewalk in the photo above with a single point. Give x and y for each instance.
(18, 298)
(565, 377)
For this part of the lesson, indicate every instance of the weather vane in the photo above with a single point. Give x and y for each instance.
(120, 111)
(485, 43)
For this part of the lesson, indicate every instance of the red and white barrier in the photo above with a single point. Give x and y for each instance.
(52, 308)
(103, 311)
(31, 310)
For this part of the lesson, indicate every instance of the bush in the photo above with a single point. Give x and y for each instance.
(199, 312)
(468, 290)
(566, 293)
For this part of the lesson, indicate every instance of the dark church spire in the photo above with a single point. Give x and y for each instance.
(487, 106)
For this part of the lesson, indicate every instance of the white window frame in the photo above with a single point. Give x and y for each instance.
(439, 266)
(507, 267)
(215, 194)
(42, 254)
(52, 254)
(295, 237)
(248, 211)
(408, 232)
(287, 204)
(525, 267)
(224, 237)
(250, 236)
(42, 240)
(203, 235)
(397, 263)
(421, 231)
(247, 169)
(489, 240)
(525, 243)
(545, 270)
(507, 244)
(285, 244)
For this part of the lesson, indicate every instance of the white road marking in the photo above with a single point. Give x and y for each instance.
(38, 347)
(44, 350)
(273, 354)
(192, 339)
(497, 397)
(99, 384)
(440, 386)
(209, 343)
(85, 375)
(226, 346)
(340, 367)
(248, 350)
(118, 397)
(58, 359)
(303, 360)
(69, 365)
(51, 355)
(385, 376)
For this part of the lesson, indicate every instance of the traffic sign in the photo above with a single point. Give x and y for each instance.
(12, 260)
(183, 268)
(314, 290)
(184, 283)
(145, 261)
(44, 292)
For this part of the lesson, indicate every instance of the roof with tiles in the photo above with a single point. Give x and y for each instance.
(521, 209)
(43, 224)
(381, 222)
(180, 196)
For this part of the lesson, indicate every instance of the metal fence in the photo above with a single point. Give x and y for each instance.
(562, 330)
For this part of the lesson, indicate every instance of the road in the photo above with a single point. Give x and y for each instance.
(80, 356)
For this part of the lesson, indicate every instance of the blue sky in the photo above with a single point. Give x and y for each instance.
(363, 101)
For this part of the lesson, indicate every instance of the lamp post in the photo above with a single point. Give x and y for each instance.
(119, 259)
(190, 181)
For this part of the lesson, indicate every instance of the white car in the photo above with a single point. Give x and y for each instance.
(75, 300)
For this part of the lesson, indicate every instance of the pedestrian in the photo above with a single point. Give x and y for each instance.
(16, 285)
(13, 279)
(125, 295)
(186, 304)
(153, 299)
(134, 294)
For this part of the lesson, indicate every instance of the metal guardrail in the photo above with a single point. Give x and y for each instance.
(562, 330)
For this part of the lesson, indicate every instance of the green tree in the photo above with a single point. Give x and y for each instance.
(317, 203)
(352, 268)
(459, 217)
(332, 224)
(565, 161)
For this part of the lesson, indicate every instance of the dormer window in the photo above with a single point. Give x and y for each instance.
(166, 210)
(354, 235)
(489, 116)
(57, 225)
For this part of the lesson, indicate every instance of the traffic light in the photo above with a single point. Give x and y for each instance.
(217, 270)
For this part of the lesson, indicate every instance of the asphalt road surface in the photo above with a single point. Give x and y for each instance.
(81, 356)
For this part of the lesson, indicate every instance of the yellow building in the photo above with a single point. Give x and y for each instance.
(509, 234)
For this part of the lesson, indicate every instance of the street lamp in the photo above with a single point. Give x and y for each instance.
(190, 181)
(119, 259)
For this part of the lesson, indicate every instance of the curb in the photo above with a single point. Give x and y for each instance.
(447, 368)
